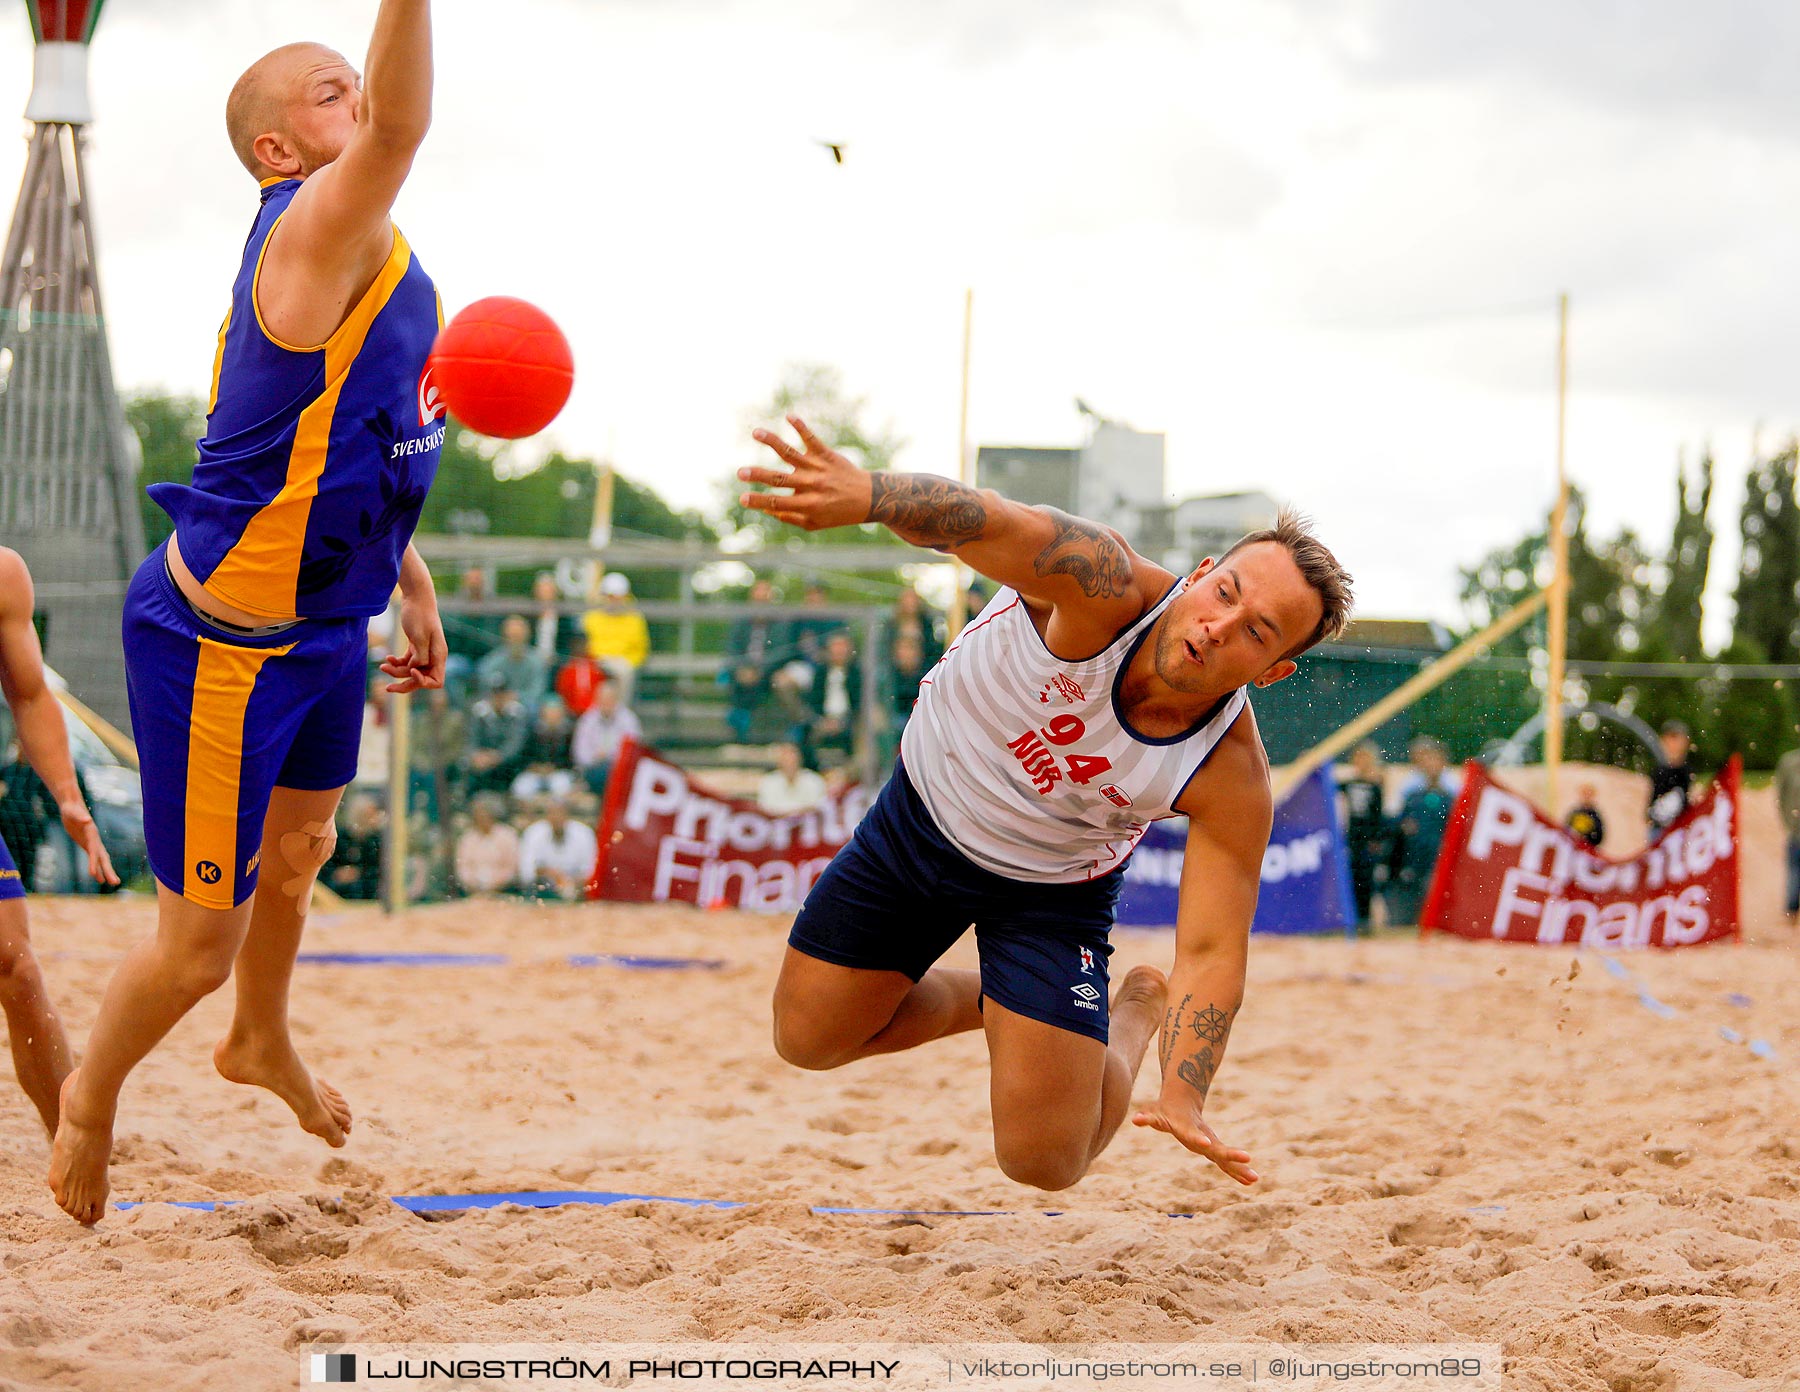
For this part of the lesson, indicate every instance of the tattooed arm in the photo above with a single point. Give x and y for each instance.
(1057, 561)
(1229, 811)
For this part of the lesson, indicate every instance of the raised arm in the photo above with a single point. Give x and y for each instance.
(336, 234)
(43, 737)
(1230, 811)
(1056, 561)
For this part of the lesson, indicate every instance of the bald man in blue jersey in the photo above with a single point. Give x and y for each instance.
(246, 634)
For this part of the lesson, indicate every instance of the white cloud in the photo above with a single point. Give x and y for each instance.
(1318, 245)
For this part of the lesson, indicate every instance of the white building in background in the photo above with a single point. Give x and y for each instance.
(1119, 477)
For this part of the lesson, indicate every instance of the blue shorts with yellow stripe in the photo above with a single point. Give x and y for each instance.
(11, 886)
(222, 719)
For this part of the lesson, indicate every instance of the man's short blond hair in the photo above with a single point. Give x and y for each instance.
(255, 106)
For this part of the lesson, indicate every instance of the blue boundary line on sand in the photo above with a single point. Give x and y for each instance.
(1759, 1048)
(606, 1198)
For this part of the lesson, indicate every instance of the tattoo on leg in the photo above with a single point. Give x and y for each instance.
(926, 510)
(1197, 1070)
(1171, 1032)
(1086, 553)
(1211, 1024)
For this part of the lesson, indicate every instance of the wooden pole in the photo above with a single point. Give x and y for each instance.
(1559, 583)
(394, 846)
(959, 602)
(600, 532)
(1397, 700)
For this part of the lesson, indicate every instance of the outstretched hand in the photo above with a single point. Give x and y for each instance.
(820, 487)
(1185, 1125)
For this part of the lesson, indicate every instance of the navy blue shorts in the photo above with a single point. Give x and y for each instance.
(11, 886)
(222, 719)
(900, 894)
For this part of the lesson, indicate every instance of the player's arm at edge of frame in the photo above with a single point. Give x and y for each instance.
(38, 715)
(1230, 809)
(343, 209)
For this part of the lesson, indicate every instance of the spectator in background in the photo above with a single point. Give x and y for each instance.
(1787, 800)
(907, 666)
(812, 629)
(1430, 768)
(376, 742)
(471, 636)
(547, 766)
(487, 853)
(1424, 813)
(606, 725)
(354, 870)
(580, 677)
(440, 737)
(836, 698)
(913, 620)
(1670, 781)
(557, 855)
(790, 786)
(1366, 831)
(754, 646)
(527, 674)
(1584, 818)
(498, 725)
(554, 632)
(617, 636)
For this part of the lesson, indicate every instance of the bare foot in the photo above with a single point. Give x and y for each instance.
(1137, 1013)
(78, 1160)
(319, 1107)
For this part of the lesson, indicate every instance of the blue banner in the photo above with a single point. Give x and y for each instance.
(1305, 873)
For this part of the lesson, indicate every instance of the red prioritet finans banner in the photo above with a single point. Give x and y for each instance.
(665, 838)
(1509, 873)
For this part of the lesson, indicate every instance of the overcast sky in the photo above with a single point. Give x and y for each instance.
(1316, 242)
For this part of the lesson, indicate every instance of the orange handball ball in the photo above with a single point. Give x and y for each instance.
(502, 367)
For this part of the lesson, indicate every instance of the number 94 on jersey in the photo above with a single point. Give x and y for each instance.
(1044, 766)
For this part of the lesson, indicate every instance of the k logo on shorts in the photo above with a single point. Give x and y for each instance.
(207, 872)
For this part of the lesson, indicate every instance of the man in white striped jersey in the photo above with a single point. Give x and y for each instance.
(1095, 693)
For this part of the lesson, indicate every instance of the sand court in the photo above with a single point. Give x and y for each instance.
(1458, 1141)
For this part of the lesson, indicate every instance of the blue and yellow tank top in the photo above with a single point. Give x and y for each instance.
(316, 460)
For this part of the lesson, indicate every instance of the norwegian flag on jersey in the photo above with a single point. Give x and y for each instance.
(64, 21)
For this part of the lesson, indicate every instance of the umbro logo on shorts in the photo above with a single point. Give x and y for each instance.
(1085, 995)
(207, 872)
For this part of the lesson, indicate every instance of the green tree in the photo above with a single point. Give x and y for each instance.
(1768, 588)
(1609, 587)
(1679, 608)
(168, 428)
(1752, 716)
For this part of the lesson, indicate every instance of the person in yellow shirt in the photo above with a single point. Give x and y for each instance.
(618, 638)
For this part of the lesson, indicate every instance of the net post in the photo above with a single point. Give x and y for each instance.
(1557, 672)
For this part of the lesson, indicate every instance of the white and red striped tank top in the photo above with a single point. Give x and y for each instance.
(1026, 762)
